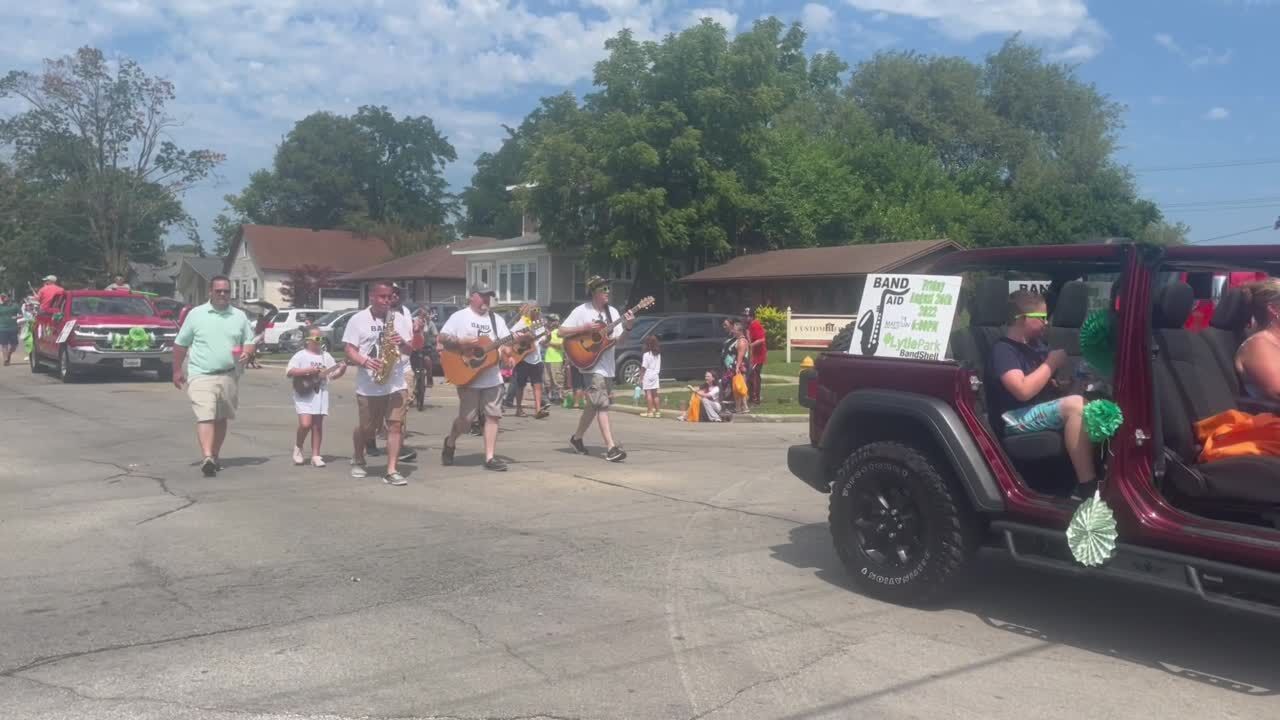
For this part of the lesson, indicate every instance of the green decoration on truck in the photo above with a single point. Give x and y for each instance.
(1097, 341)
(1101, 419)
(1091, 535)
(136, 340)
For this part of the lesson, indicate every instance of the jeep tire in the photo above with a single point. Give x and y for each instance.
(900, 524)
(842, 340)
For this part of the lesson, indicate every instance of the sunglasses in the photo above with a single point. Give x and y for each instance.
(1037, 315)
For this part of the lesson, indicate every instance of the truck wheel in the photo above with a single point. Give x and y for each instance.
(900, 525)
(65, 372)
(840, 343)
(36, 367)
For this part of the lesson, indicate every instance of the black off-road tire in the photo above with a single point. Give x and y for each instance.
(840, 343)
(948, 527)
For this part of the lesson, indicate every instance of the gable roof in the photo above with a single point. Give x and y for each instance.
(837, 261)
(512, 244)
(437, 263)
(283, 249)
(162, 273)
(205, 267)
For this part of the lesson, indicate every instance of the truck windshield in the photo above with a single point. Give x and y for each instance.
(111, 306)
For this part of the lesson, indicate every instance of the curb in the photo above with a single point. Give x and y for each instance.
(749, 417)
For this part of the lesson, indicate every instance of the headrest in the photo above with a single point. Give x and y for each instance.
(990, 303)
(1073, 305)
(1173, 306)
(1232, 311)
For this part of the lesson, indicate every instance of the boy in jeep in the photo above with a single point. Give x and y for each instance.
(1023, 394)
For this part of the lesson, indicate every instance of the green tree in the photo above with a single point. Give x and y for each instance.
(92, 144)
(1165, 233)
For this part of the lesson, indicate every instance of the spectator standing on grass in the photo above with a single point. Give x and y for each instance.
(9, 314)
(759, 353)
(311, 369)
(741, 362)
(212, 346)
(651, 364)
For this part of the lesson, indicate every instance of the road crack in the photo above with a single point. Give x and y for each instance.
(686, 501)
(483, 639)
(131, 472)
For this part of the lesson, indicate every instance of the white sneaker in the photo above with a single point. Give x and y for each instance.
(358, 471)
(317, 461)
(297, 456)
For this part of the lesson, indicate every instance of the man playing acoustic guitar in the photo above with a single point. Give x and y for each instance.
(464, 329)
(592, 315)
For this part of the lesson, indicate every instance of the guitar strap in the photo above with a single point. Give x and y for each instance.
(493, 327)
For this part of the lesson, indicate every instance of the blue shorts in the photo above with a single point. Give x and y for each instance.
(1034, 418)
(8, 338)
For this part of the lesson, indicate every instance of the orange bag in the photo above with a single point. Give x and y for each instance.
(1237, 434)
(739, 385)
(695, 409)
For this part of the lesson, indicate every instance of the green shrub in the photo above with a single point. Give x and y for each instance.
(775, 326)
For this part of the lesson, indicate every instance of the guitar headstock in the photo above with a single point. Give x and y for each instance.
(644, 304)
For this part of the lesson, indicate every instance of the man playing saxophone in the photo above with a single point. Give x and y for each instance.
(379, 342)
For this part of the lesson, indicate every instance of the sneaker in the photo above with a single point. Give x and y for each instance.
(394, 478)
(297, 456)
(358, 470)
(542, 414)
(477, 429)
(317, 461)
(209, 467)
(407, 455)
(446, 453)
(495, 465)
(578, 445)
(615, 454)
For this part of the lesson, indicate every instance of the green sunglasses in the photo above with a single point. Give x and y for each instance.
(1038, 315)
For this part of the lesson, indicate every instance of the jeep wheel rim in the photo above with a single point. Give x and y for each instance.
(886, 521)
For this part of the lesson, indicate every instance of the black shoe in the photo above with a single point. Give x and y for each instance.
(209, 468)
(495, 465)
(407, 455)
(1084, 491)
(446, 453)
(477, 429)
(578, 445)
(615, 454)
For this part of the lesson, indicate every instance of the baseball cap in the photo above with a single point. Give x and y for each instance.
(481, 289)
(50, 278)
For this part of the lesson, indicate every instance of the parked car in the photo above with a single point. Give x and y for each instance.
(87, 330)
(291, 341)
(168, 308)
(288, 319)
(919, 478)
(691, 344)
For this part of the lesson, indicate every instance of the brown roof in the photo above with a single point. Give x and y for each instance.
(284, 248)
(822, 261)
(438, 263)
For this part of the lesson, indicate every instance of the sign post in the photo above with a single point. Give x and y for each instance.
(906, 316)
(813, 332)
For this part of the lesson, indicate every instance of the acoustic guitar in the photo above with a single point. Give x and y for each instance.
(585, 349)
(461, 366)
(527, 345)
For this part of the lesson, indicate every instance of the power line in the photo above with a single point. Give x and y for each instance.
(1224, 209)
(1197, 203)
(1242, 232)
(1208, 165)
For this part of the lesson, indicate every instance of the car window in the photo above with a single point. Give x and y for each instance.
(111, 306)
(312, 316)
(642, 326)
(668, 330)
(328, 318)
(700, 328)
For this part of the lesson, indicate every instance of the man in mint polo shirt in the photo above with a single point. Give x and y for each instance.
(215, 340)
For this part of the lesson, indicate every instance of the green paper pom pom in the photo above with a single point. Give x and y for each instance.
(1097, 341)
(1101, 419)
(1091, 535)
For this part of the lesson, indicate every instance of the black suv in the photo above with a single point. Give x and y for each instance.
(690, 344)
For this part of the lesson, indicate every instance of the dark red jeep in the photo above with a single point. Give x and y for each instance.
(919, 480)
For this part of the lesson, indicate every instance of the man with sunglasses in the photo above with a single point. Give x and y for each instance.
(1022, 396)
(213, 344)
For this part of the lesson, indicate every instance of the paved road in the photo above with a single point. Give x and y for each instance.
(694, 581)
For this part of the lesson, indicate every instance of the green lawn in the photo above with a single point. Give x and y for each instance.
(778, 399)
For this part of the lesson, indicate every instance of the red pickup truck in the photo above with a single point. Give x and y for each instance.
(87, 330)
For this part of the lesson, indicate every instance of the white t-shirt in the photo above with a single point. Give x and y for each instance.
(652, 365)
(466, 324)
(318, 403)
(363, 331)
(535, 355)
(586, 314)
(713, 395)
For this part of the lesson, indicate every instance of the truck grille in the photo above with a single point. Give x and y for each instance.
(160, 339)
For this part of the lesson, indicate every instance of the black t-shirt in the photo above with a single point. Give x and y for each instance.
(1009, 354)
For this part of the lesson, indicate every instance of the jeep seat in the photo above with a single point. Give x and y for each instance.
(1068, 315)
(1226, 332)
(1191, 385)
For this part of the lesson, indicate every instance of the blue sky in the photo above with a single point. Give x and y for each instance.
(1196, 75)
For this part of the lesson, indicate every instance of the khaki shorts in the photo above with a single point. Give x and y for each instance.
(378, 410)
(599, 391)
(557, 373)
(214, 397)
(472, 399)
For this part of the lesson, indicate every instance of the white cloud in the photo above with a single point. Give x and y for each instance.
(1209, 57)
(1202, 57)
(1065, 23)
(817, 18)
(725, 18)
(1166, 41)
(1217, 113)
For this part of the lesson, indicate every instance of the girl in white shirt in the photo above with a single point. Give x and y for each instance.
(311, 369)
(651, 363)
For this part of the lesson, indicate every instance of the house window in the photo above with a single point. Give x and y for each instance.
(517, 282)
(579, 280)
(253, 288)
(623, 270)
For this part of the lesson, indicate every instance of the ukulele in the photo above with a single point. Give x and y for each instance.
(462, 365)
(585, 349)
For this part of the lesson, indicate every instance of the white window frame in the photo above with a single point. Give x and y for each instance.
(530, 293)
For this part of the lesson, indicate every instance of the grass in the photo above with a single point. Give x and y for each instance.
(777, 399)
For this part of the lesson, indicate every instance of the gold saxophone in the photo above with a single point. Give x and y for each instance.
(388, 352)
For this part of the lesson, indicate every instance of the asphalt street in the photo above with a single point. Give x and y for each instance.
(696, 580)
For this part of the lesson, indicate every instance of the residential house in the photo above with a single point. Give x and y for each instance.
(192, 284)
(262, 256)
(433, 275)
(808, 280)
(159, 278)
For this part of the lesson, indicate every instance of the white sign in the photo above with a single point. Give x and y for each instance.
(66, 331)
(814, 331)
(1099, 291)
(906, 316)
